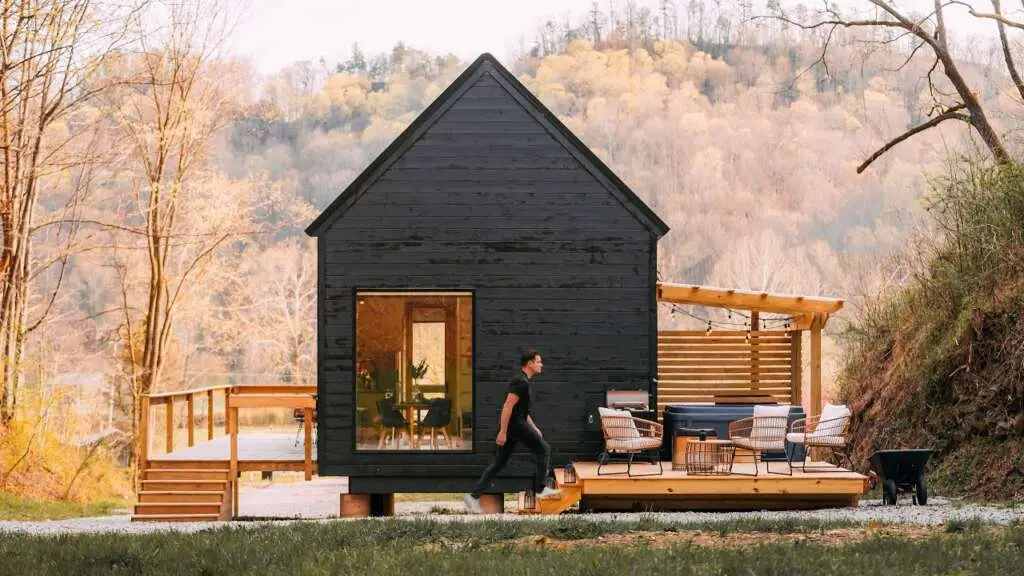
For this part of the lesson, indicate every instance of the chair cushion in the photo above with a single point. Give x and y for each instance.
(801, 438)
(770, 424)
(832, 421)
(766, 410)
(632, 444)
(754, 443)
(620, 426)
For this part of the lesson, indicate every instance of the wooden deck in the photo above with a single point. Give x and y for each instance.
(267, 451)
(199, 481)
(674, 490)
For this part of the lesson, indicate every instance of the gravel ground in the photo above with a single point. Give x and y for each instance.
(937, 512)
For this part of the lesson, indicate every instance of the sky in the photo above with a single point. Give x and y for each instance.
(275, 33)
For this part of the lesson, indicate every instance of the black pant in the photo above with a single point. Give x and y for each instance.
(518, 431)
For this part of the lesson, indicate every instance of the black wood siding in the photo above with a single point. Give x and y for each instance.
(488, 200)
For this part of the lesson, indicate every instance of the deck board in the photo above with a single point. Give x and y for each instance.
(252, 447)
(677, 490)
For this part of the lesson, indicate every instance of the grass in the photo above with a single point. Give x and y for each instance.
(436, 547)
(14, 507)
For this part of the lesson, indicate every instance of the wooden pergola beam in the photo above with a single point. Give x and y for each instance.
(747, 300)
(809, 313)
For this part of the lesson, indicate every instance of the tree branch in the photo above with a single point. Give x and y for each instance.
(910, 57)
(950, 114)
(1007, 55)
(997, 16)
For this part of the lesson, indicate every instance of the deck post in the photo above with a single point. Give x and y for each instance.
(232, 418)
(492, 503)
(170, 424)
(143, 432)
(755, 320)
(307, 425)
(355, 505)
(209, 414)
(796, 367)
(816, 366)
(191, 409)
(227, 421)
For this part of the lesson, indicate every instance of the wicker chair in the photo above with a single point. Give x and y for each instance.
(764, 431)
(827, 431)
(627, 436)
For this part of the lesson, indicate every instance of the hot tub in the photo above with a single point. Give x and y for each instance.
(717, 417)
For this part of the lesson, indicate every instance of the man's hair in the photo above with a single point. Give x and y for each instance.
(528, 354)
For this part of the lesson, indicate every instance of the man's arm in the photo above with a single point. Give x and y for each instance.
(529, 420)
(506, 415)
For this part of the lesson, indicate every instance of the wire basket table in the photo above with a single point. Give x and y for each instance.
(709, 457)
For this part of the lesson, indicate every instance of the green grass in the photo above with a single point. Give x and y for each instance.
(14, 507)
(389, 547)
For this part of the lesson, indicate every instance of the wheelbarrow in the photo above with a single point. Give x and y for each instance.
(900, 471)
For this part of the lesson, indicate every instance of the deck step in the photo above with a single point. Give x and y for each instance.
(191, 496)
(570, 495)
(175, 518)
(184, 485)
(187, 474)
(155, 508)
(188, 464)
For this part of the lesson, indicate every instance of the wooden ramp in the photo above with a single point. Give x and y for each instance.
(613, 490)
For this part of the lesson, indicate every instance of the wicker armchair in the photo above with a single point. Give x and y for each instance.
(826, 431)
(765, 431)
(626, 437)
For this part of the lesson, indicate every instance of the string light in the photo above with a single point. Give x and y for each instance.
(784, 322)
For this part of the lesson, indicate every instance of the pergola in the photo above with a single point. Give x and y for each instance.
(750, 365)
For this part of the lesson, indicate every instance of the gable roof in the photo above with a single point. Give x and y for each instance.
(483, 64)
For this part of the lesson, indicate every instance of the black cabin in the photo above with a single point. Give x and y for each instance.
(484, 228)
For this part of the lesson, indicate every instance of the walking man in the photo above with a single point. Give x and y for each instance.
(517, 427)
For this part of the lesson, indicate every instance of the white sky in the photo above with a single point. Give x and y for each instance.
(275, 33)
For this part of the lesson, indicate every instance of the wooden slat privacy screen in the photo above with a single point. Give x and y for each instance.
(727, 366)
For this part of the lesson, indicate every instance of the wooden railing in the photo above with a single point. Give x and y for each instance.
(271, 397)
(728, 366)
(265, 396)
(169, 399)
(235, 397)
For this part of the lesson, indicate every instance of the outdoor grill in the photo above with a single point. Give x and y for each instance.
(632, 400)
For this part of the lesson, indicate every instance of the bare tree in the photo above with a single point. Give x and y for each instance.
(278, 311)
(1001, 24)
(174, 102)
(595, 24)
(49, 50)
(931, 33)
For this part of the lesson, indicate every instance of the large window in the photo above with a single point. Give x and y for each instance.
(414, 370)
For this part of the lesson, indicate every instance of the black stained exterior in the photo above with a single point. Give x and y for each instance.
(487, 191)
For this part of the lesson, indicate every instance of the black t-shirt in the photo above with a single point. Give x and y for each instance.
(520, 386)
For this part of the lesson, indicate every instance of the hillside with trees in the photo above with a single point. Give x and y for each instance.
(153, 214)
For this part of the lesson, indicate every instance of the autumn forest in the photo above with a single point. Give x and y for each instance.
(156, 187)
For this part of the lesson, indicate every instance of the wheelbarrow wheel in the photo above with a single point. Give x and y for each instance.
(889, 492)
(921, 491)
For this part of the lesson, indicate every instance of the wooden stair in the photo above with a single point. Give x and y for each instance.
(184, 491)
(569, 497)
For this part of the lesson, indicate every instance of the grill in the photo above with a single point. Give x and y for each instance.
(627, 400)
